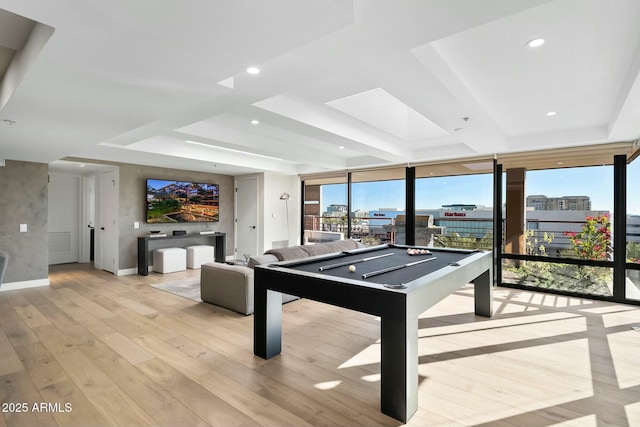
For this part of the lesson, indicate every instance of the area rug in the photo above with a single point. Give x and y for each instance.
(188, 288)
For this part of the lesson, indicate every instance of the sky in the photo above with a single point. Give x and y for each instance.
(431, 193)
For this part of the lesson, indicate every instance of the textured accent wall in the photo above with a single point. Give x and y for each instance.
(133, 207)
(24, 201)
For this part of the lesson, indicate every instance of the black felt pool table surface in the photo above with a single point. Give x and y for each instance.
(443, 258)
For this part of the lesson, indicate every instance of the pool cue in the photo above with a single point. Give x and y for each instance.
(396, 267)
(340, 264)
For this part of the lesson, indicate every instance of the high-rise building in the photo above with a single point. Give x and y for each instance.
(565, 203)
(336, 210)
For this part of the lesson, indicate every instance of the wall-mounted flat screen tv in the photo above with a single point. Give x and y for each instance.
(181, 201)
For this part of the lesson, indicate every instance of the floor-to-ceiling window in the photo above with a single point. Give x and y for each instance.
(556, 220)
(378, 206)
(325, 209)
(632, 285)
(568, 216)
(453, 211)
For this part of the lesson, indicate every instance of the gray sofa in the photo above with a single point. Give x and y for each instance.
(231, 286)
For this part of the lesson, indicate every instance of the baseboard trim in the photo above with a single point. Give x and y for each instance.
(130, 271)
(127, 272)
(12, 286)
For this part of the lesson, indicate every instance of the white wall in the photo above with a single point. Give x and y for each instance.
(63, 217)
(272, 213)
(275, 210)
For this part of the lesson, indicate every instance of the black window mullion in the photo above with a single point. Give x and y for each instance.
(497, 222)
(410, 206)
(619, 226)
(349, 207)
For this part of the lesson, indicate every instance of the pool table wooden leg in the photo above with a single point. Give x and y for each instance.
(399, 367)
(267, 323)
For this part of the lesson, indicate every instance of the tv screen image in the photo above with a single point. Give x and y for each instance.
(181, 201)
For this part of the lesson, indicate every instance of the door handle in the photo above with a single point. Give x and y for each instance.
(252, 226)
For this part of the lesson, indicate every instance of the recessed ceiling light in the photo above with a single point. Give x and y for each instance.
(341, 147)
(253, 70)
(535, 42)
(551, 113)
(559, 163)
(255, 122)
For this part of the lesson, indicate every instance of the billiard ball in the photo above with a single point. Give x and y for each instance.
(352, 268)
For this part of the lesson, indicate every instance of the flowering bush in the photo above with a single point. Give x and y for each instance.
(594, 241)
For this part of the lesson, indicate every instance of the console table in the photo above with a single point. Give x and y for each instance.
(147, 244)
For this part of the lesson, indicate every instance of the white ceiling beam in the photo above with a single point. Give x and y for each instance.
(364, 138)
(480, 130)
(22, 61)
(625, 122)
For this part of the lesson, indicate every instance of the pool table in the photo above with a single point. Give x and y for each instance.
(395, 282)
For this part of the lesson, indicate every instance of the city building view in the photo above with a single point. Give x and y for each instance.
(563, 239)
(551, 215)
(565, 203)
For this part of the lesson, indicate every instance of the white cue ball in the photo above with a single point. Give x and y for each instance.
(352, 268)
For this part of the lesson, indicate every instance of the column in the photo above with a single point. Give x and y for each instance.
(515, 222)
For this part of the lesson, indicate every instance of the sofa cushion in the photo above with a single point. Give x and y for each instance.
(331, 247)
(262, 259)
(285, 254)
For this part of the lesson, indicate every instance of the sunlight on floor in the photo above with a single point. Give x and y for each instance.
(494, 324)
(526, 363)
(532, 299)
(633, 414)
(327, 385)
(629, 315)
(626, 363)
(369, 355)
(521, 334)
(371, 378)
(550, 374)
(610, 309)
(586, 421)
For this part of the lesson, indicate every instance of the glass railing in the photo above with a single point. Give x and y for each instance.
(382, 231)
(551, 261)
(560, 239)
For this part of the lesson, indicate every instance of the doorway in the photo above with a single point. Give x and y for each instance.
(76, 204)
(63, 218)
(246, 217)
(106, 257)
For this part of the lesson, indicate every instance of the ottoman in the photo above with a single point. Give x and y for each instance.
(169, 260)
(198, 255)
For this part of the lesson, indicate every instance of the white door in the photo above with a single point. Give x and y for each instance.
(107, 227)
(63, 217)
(246, 217)
(87, 217)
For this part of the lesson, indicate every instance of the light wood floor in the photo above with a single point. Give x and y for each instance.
(119, 352)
